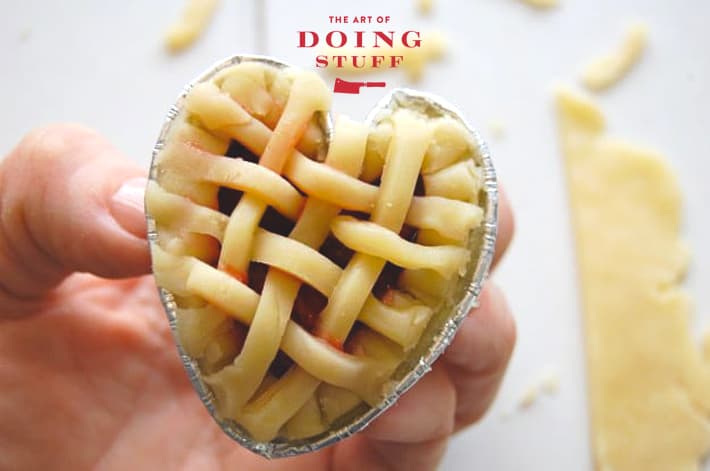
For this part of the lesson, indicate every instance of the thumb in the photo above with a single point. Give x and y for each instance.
(68, 202)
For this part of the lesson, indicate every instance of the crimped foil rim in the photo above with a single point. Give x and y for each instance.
(444, 337)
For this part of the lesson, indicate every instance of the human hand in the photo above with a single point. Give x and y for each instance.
(89, 375)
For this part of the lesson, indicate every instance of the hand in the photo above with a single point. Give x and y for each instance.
(89, 375)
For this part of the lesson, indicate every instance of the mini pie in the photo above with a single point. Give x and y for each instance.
(304, 266)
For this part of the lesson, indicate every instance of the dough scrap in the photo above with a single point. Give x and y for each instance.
(649, 386)
(605, 71)
(425, 6)
(547, 382)
(192, 22)
(529, 397)
(541, 4)
(550, 382)
(497, 129)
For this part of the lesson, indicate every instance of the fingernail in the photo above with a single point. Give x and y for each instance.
(127, 206)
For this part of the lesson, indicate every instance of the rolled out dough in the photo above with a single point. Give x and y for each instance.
(649, 385)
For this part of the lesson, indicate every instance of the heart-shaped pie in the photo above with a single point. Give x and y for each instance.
(311, 272)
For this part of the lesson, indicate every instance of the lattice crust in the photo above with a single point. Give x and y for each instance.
(402, 197)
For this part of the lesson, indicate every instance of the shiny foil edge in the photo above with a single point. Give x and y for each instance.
(394, 99)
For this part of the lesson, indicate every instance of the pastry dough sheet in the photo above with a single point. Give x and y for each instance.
(649, 385)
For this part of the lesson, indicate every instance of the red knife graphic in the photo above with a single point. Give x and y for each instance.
(343, 86)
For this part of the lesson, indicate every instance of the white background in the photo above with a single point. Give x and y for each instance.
(102, 63)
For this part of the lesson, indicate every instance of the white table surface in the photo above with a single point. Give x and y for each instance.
(102, 64)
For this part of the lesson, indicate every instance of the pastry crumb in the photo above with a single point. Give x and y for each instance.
(192, 22)
(547, 382)
(505, 415)
(424, 6)
(550, 383)
(605, 71)
(529, 397)
(541, 4)
(25, 34)
(497, 129)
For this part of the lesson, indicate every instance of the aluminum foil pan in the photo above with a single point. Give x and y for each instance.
(443, 324)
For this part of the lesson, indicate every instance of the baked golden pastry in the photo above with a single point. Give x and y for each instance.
(304, 267)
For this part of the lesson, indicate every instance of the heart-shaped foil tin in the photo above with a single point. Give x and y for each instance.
(443, 324)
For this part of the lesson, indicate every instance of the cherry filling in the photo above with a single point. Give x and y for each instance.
(309, 303)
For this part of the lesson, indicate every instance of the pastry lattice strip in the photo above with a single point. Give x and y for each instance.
(200, 278)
